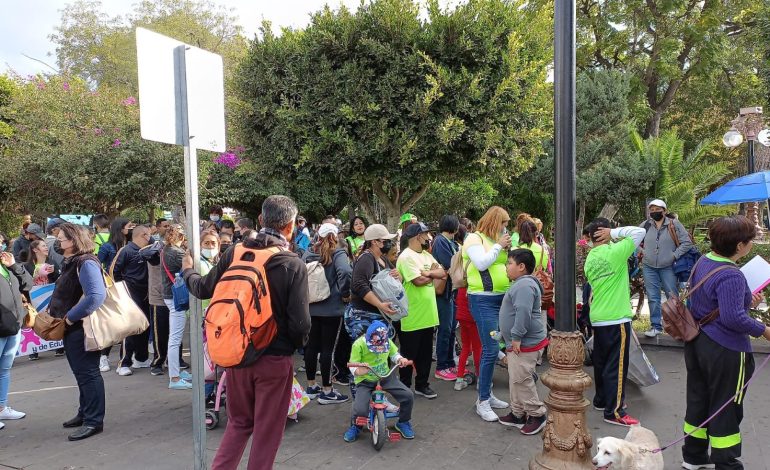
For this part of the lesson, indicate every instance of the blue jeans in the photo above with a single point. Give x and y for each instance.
(656, 279)
(445, 336)
(8, 347)
(485, 310)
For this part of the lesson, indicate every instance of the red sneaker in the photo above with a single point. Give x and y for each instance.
(626, 421)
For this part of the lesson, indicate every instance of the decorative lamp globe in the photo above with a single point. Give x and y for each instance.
(764, 137)
(732, 138)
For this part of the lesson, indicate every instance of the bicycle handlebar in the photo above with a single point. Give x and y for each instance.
(363, 364)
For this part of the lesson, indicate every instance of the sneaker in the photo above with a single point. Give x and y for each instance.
(512, 420)
(496, 403)
(2, 425)
(405, 429)
(59, 352)
(123, 371)
(390, 407)
(534, 425)
(485, 411)
(104, 364)
(10, 413)
(184, 375)
(352, 433)
(156, 370)
(446, 374)
(626, 421)
(460, 384)
(32, 357)
(313, 391)
(695, 466)
(141, 364)
(426, 391)
(183, 365)
(601, 408)
(180, 384)
(342, 380)
(301, 369)
(332, 397)
(652, 332)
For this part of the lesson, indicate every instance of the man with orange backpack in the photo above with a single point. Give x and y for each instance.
(263, 286)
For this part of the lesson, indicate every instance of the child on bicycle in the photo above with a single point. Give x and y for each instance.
(375, 348)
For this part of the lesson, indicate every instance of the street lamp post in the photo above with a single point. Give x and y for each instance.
(566, 440)
(748, 125)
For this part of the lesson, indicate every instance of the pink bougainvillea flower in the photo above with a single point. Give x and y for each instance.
(40, 85)
(130, 101)
(116, 143)
(98, 131)
(66, 86)
(228, 159)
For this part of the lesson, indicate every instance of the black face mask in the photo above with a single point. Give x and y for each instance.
(223, 248)
(387, 245)
(656, 216)
(425, 245)
(57, 247)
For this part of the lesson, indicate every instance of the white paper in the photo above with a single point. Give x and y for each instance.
(757, 273)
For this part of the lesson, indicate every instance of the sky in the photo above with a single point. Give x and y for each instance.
(26, 24)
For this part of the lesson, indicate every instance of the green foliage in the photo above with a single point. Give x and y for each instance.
(381, 101)
(465, 198)
(684, 180)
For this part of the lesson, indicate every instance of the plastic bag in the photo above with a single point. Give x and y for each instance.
(389, 289)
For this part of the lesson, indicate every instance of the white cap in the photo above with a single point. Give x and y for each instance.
(377, 232)
(327, 229)
(657, 202)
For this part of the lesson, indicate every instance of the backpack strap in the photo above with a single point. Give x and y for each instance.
(114, 262)
(163, 262)
(540, 262)
(672, 232)
(705, 278)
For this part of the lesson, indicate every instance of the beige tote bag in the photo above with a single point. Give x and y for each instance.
(118, 318)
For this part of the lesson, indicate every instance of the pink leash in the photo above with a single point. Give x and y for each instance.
(703, 424)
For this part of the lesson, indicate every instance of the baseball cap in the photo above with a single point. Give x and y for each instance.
(657, 202)
(326, 229)
(55, 222)
(407, 218)
(415, 229)
(377, 232)
(376, 337)
(35, 229)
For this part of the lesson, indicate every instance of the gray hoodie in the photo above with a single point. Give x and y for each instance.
(660, 251)
(520, 315)
(338, 274)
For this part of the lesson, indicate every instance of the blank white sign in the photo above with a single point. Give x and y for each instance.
(160, 92)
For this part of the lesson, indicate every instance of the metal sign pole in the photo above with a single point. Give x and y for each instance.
(193, 241)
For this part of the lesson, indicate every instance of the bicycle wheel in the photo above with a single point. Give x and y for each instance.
(379, 430)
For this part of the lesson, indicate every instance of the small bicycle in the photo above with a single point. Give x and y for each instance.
(377, 421)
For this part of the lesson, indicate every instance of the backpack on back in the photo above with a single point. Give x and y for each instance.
(317, 284)
(239, 320)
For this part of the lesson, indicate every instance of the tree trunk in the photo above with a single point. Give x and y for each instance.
(394, 203)
(608, 211)
(151, 215)
(652, 129)
(581, 220)
(177, 215)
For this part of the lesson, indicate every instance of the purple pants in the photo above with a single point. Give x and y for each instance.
(257, 404)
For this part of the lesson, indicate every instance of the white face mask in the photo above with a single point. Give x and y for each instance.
(214, 218)
(209, 253)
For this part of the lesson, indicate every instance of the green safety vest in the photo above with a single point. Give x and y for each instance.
(495, 278)
(99, 240)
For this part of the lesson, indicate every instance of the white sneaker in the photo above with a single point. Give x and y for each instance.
(460, 384)
(390, 407)
(652, 332)
(141, 365)
(104, 364)
(10, 413)
(123, 371)
(496, 403)
(2, 425)
(692, 466)
(485, 411)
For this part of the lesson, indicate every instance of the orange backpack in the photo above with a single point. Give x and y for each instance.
(239, 320)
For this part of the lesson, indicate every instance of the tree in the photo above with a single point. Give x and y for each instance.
(610, 174)
(385, 103)
(663, 43)
(74, 149)
(684, 180)
(464, 198)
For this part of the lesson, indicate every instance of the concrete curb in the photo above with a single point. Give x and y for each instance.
(665, 341)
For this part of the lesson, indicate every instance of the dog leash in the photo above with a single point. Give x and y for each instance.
(703, 424)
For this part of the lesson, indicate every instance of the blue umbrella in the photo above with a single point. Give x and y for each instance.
(750, 188)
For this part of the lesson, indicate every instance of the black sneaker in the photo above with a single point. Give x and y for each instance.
(59, 352)
(156, 371)
(534, 425)
(34, 357)
(512, 420)
(183, 365)
(426, 391)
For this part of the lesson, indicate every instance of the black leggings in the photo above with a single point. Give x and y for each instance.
(323, 334)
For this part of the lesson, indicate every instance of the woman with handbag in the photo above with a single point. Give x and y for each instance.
(719, 360)
(171, 264)
(80, 290)
(15, 280)
(487, 250)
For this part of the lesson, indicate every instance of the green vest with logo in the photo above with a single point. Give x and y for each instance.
(495, 278)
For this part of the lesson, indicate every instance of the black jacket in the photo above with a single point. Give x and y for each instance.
(287, 281)
(338, 274)
(18, 281)
(131, 266)
(364, 269)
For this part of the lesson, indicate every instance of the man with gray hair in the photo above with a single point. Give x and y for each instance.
(258, 392)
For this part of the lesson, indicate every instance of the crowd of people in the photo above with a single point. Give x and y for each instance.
(489, 279)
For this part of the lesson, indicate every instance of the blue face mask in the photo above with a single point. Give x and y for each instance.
(3, 247)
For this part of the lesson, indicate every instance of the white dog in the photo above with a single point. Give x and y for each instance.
(632, 453)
